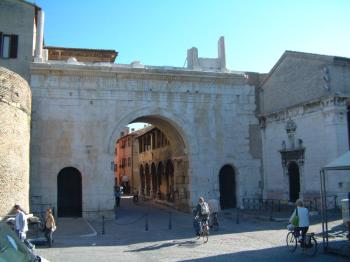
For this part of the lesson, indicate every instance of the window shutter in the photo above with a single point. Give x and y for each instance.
(14, 46)
(0, 44)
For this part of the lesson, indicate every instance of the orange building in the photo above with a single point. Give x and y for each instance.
(126, 162)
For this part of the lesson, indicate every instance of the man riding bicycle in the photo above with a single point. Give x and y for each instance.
(201, 215)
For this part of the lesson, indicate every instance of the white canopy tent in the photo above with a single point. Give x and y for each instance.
(340, 163)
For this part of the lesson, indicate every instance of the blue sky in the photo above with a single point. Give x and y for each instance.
(159, 32)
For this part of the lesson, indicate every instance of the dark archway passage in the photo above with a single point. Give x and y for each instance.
(142, 180)
(154, 180)
(227, 183)
(69, 193)
(294, 181)
(148, 180)
(169, 172)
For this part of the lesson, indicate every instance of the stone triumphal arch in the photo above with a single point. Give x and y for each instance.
(79, 111)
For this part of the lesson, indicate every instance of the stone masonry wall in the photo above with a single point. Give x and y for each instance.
(15, 110)
(17, 18)
(297, 79)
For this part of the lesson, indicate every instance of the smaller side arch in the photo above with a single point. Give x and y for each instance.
(227, 185)
(69, 193)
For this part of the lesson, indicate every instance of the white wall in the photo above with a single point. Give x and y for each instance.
(323, 129)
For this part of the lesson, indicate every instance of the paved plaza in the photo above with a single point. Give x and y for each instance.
(126, 238)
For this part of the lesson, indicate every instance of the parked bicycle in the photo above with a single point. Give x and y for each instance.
(213, 221)
(204, 231)
(308, 244)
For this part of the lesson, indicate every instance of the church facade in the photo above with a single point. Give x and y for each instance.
(304, 119)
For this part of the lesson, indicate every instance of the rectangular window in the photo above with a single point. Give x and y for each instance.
(8, 45)
(129, 161)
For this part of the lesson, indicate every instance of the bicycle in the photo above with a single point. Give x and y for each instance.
(204, 232)
(308, 245)
(214, 224)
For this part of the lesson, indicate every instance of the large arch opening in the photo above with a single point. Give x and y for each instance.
(294, 181)
(69, 193)
(154, 158)
(227, 182)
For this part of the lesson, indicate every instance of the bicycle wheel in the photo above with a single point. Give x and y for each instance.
(311, 248)
(205, 234)
(291, 242)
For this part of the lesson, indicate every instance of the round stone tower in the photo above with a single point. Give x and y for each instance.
(15, 113)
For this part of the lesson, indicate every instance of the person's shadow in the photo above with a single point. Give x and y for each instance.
(187, 243)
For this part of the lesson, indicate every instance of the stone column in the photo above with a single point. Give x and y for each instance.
(221, 53)
(39, 37)
(192, 58)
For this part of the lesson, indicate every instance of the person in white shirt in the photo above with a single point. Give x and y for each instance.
(21, 223)
(304, 223)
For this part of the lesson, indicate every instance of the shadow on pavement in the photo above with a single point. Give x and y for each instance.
(269, 254)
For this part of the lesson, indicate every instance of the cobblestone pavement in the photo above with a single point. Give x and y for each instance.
(126, 239)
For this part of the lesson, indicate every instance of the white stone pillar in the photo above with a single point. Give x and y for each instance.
(221, 53)
(192, 58)
(39, 36)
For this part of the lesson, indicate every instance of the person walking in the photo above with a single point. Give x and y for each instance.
(50, 227)
(21, 224)
(117, 194)
(303, 222)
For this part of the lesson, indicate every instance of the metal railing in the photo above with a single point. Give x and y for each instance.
(278, 205)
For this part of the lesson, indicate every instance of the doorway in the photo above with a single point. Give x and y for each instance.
(69, 193)
(227, 183)
(294, 181)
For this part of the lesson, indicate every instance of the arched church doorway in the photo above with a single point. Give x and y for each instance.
(69, 193)
(294, 181)
(227, 183)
